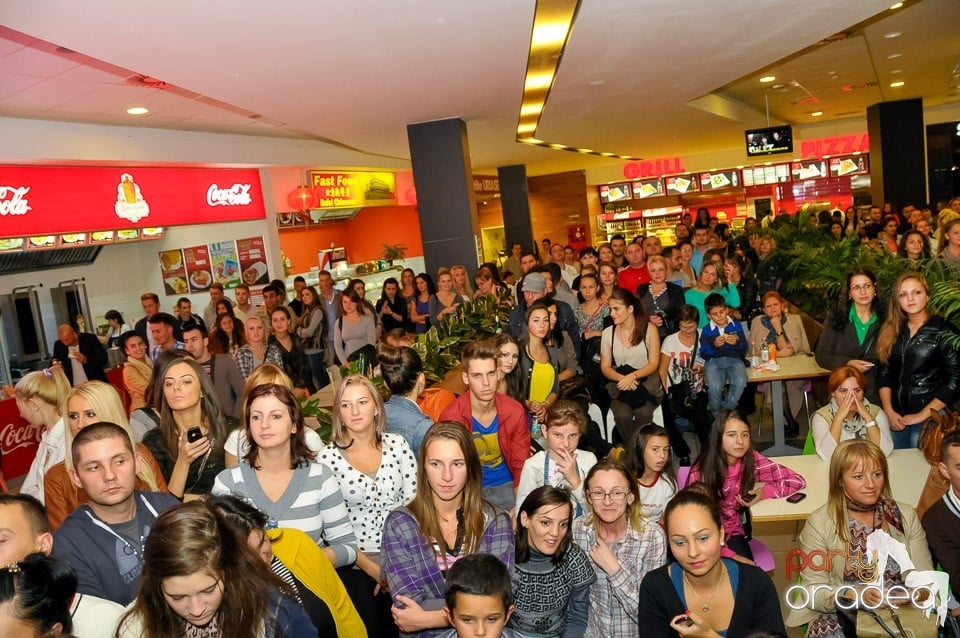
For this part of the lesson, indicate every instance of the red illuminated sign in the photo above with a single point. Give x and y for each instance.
(44, 200)
(836, 145)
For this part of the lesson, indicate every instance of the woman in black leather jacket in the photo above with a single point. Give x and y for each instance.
(849, 336)
(919, 370)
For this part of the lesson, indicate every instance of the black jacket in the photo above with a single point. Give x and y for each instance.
(922, 368)
(90, 348)
(836, 347)
(668, 304)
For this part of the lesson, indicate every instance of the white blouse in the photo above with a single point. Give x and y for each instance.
(369, 500)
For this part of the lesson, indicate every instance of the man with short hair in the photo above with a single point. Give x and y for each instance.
(512, 263)
(183, 313)
(25, 529)
(618, 245)
(221, 368)
(272, 299)
(103, 539)
(331, 298)
(651, 246)
(80, 354)
(210, 312)
(636, 272)
(497, 422)
(299, 283)
(701, 244)
(162, 330)
(150, 303)
(528, 261)
(545, 244)
(243, 309)
(556, 254)
(942, 521)
(681, 232)
(674, 264)
(558, 285)
(533, 286)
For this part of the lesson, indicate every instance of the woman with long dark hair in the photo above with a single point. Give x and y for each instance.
(919, 368)
(629, 354)
(914, 246)
(419, 310)
(849, 336)
(227, 335)
(312, 330)
(187, 402)
(392, 307)
(291, 351)
(201, 579)
(509, 374)
(36, 594)
(554, 574)
(137, 369)
(402, 372)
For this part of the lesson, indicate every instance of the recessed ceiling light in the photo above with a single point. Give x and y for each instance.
(817, 113)
(895, 71)
(891, 35)
(768, 78)
(896, 85)
(894, 56)
(597, 82)
(138, 110)
(895, 6)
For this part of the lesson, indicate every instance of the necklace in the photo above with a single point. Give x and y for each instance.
(706, 605)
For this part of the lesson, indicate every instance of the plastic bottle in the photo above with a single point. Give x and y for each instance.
(754, 355)
(764, 353)
(773, 351)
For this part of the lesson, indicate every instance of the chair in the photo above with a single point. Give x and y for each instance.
(683, 475)
(762, 555)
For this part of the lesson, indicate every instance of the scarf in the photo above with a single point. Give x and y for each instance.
(772, 334)
(886, 513)
(853, 423)
(212, 630)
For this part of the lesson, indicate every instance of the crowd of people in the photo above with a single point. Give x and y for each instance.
(210, 507)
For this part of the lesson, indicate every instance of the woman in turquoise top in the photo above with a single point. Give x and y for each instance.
(849, 336)
(708, 283)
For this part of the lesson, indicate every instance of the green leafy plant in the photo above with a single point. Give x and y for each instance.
(395, 252)
(311, 408)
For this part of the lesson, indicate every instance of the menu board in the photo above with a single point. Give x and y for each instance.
(155, 232)
(102, 237)
(173, 273)
(42, 242)
(680, 184)
(809, 169)
(717, 180)
(128, 234)
(647, 188)
(761, 175)
(15, 243)
(73, 240)
(224, 262)
(197, 261)
(615, 192)
(850, 165)
(251, 255)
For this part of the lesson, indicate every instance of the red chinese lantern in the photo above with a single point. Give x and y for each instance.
(302, 198)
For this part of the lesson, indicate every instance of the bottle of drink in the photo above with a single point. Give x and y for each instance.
(773, 351)
(754, 355)
(764, 352)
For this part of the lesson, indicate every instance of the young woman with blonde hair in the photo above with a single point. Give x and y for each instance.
(89, 403)
(448, 519)
(377, 473)
(40, 395)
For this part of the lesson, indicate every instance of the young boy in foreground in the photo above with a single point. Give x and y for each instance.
(479, 598)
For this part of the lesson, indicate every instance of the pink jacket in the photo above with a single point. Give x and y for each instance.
(513, 435)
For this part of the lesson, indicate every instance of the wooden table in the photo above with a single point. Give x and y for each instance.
(797, 367)
(907, 471)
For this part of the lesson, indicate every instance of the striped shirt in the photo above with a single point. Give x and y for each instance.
(311, 503)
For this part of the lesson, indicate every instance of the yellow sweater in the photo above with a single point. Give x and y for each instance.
(307, 562)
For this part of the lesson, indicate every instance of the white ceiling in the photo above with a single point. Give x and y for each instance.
(632, 80)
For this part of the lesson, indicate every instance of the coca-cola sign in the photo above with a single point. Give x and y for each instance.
(18, 440)
(13, 200)
(236, 195)
(63, 200)
(14, 436)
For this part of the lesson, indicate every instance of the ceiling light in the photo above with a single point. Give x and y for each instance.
(138, 110)
(607, 154)
(817, 113)
(894, 56)
(896, 85)
(895, 71)
(585, 150)
(537, 81)
(597, 82)
(532, 108)
(768, 78)
(895, 6)
(551, 34)
(559, 147)
(891, 35)
(527, 128)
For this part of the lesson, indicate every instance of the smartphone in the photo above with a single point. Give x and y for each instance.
(686, 621)
(796, 498)
(749, 498)
(194, 434)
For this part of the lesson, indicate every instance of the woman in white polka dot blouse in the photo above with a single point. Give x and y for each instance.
(377, 473)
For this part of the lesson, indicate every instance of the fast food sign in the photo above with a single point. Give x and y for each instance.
(56, 200)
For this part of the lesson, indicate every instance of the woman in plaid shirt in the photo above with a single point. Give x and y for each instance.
(447, 520)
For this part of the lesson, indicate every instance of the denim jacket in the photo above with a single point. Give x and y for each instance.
(404, 417)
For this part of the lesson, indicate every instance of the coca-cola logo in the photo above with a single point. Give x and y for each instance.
(13, 200)
(236, 195)
(14, 437)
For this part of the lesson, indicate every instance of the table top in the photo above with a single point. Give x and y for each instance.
(908, 474)
(799, 366)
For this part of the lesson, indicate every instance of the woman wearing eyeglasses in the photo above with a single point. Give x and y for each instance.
(849, 336)
(622, 549)
(849, 415)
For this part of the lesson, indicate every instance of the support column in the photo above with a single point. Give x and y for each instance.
(515, 202)
(440, 155)
(897, 157)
